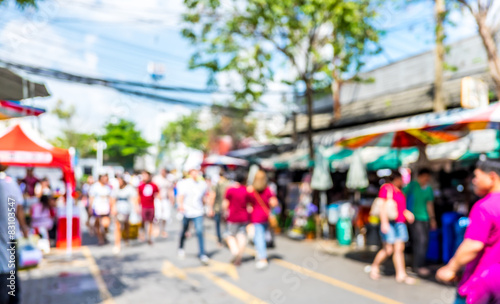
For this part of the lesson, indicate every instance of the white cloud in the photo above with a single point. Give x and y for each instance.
(39, 45)
(90, 40)
(152, 12)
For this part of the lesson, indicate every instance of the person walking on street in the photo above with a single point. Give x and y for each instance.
(11, 209)
(235, 204)
(421, 202)
(101, 202)
(262, 200)
(86, 201)
(126, 199)
(191, 192)
(394, 233)
(479, 253)
(165, 182)
(215, 203)
(148, 192)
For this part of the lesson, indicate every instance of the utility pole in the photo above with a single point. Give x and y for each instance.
(440, 11)
(100, 146)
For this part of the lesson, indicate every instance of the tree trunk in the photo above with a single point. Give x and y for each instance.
(309, 99)
(439, 104)
(336, 85)
(294, 128)
(491, 50)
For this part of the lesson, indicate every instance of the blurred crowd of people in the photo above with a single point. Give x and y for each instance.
(153, 201)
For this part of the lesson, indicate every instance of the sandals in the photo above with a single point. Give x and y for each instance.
(374, 274)
(407, 280)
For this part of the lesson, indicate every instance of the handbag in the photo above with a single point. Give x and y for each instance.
(391, 207)
(273, 222)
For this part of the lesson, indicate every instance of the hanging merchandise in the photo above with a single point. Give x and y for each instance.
(356, 176)
(321, 178)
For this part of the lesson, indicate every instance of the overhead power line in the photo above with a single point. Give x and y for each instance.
(114, 83)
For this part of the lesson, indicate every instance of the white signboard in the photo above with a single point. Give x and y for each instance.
(25, 157)
(474, 93)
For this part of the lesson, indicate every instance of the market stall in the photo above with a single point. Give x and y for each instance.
(19, 146)
(454, 196)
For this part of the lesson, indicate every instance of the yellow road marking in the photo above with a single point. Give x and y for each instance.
(324, 278)
(96, 273)
(217, 267)
(171, 271)
(233, 290)
(337, 283)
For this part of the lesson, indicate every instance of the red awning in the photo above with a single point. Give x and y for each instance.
(19, 147)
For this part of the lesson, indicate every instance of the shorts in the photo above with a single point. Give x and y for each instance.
(148, 214)
(398, 232)
(236, 228)
(122, 217)
(163, 210)
(99, 215)
(460, 299)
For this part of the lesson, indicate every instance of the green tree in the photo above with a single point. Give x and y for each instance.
(82, 142)
(124, 143)
(321, 40)
(185, 130)
(23, 3)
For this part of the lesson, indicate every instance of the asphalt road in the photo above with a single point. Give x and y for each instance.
(299, 272)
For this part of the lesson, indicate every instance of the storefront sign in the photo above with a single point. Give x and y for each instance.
(24, 157)
(474, 93)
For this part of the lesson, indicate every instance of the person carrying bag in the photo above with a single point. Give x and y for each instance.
(388, 204)
(262, 199)
(390, 207)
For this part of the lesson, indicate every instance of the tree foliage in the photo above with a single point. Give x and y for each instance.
(185, 130)
(317, 40)
(22, 4)
(124, 143)
(231, 122)
(82, 142)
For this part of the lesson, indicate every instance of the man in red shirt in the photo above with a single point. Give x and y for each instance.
(147, 194)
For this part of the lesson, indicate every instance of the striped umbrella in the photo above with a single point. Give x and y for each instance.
(12, 109)
(426, 129)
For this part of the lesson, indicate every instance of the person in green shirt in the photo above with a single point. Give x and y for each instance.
(216, 197)
(421, 202)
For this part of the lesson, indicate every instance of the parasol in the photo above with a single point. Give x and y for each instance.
(12, 109)
(222, 160)
(425, 129)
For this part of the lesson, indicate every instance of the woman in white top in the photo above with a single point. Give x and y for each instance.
(42, 216)
(126, 199)
(101, 201)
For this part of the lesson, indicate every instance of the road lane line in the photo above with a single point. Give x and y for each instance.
(106, 296)
(171, 271)
(326, 279)
(334, 282)
(233, 290)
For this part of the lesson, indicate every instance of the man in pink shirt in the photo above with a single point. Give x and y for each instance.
(479, 253)
(235, 205)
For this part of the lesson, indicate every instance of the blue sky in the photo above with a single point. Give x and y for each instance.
(118, 38)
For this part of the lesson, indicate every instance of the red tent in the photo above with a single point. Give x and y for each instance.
(19, 147)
